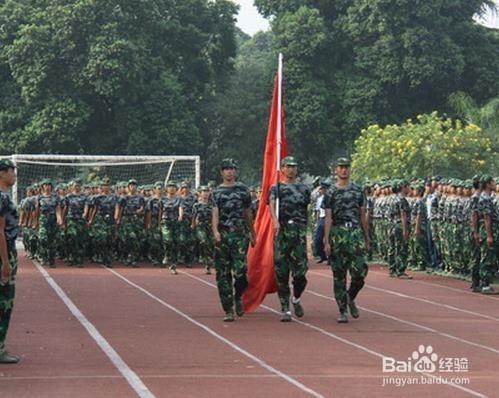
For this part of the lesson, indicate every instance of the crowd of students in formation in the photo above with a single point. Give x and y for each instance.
(164, 224)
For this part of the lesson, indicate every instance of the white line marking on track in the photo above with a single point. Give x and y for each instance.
(130, 376)
(428, 329)
(210, 331)
(454, 289)
(343, 340)
(393, 293)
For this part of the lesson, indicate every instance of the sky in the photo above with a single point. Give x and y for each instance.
(250, 21)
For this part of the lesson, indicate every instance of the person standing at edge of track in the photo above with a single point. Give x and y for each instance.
(8, 255)
(232, 227)
(290, 236)
(346, 238)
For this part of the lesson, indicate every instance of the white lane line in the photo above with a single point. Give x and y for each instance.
(393, 293)
(454, 289)
(348, 342)
(224, 340)
(130, 376)
(416, 325)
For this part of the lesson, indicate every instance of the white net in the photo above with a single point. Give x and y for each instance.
(63, 168)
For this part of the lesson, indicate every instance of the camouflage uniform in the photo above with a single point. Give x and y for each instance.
(185, 233)
(169, 208)
(421, 258)
(397, 256)
(7, 292)
(132, 228)
(474, 267)
(155, 247)
(204, 236)
(347, 241)
(103, 229)
(230, 252)
(290, 246)
(76, 228)
(47, 229)
(489, 254)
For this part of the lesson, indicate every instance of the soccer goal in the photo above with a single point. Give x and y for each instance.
(63, 168)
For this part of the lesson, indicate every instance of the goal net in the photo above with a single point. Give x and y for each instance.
(63, 168)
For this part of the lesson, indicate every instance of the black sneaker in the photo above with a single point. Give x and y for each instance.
(354, 311)
(298, 309)
(343, 318)
(239, 306)
(5, 357)
(229, 317)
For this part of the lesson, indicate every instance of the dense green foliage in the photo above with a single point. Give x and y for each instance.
(430, 145)
(177, 77)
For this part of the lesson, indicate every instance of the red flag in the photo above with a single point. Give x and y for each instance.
(261, 257)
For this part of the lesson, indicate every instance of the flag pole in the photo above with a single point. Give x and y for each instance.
(279, 130)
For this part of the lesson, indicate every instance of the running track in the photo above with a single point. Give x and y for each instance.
(123, 332)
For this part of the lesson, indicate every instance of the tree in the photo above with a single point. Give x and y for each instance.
(430, 145)
(354, 63)
(116, 77)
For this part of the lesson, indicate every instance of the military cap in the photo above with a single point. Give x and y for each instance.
(46, 181)
(105, 181)
(6, 164)
(212, 184)
(185, 184)
(171, 183)
(76, 181)
(342, 161)
(203, 188)
(486, 179)
(132, 181)
(289, 161)
(228, 163)
(158, 184)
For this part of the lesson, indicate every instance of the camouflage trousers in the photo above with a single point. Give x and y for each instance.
(204, 238)
(76, 238)
(30, 241)
(130, 236)
(47, 243)
(62, 249)
(155, 251)
(382, 238)
(7, 293)
(489, 256)
(169, 236)
(230, 264)
(185, 242)
(102, 233)
(474, 263)
(398, 250)
(290, 257)
(420, 259)
(348, 255)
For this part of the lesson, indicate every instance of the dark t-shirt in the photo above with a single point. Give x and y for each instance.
(345, 204)
(293, 202)
(231, 202)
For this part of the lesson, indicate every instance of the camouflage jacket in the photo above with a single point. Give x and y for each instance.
(202, 211)
(152, 206)
(48, 204)
(169, 208)
(293, 202)
(231, 201)
(187, 204)
(8, 210)
(345, 204)
(76, 204)
(106, 204)
(131, 203)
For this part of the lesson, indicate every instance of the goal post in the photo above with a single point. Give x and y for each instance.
(63, 168)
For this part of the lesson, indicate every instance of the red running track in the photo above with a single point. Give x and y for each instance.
(145, 332)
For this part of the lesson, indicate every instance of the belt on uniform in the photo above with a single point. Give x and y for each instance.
(293, 222)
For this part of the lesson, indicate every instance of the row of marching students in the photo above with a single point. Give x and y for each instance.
(159, 224)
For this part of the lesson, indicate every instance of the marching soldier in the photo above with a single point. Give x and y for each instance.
(346, 238)
(168, 218)
(290, 236)
(201, 224)
(232, 226)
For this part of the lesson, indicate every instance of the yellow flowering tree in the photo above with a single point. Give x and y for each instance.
(429, 145)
